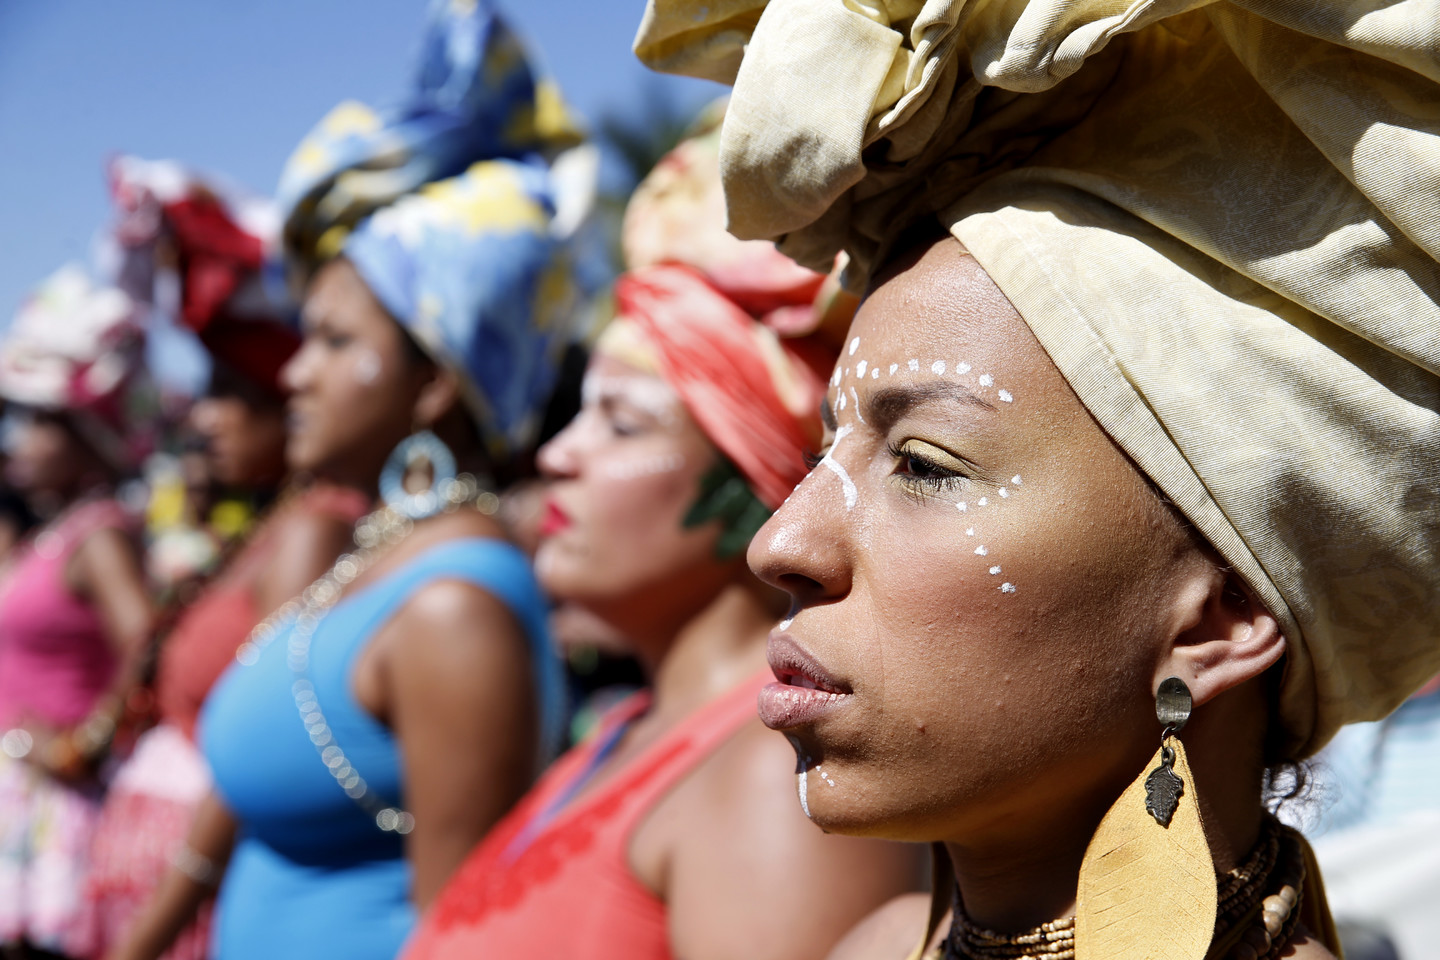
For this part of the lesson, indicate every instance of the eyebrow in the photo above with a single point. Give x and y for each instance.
(887, 405)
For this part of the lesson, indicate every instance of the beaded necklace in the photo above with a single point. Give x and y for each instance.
(375, 535)
(1265, 922)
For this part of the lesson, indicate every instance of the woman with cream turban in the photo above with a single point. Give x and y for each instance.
(670, 831)
(1135, 496)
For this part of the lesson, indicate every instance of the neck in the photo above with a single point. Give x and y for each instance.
(712, 651)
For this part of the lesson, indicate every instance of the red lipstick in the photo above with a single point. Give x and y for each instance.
(555, 520)
(803, 691)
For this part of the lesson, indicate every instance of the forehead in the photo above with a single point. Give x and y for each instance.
(939, 303)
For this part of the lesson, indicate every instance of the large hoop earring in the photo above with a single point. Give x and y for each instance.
(420, 448)
(1147, 876)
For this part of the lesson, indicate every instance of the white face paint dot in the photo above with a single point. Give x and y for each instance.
(914, 365)
(367, 367)
(835, 378)
(984, 501)
(938, 367)
(994, 570)
(981, 551)
(1005, 395)
(1004, 492)
(1015, 479)
(842, 401)
(860, 368)
(893, 368)
(986, 380)
(962, 367)
(961, 506)
(1007, 588)
(854, 345)
(875, 374)
(969, 531)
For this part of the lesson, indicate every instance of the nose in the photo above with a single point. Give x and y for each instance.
(804, 548)
(297, 373)
(558, 458)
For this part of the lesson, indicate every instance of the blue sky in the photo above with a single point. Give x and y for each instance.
(231, 86)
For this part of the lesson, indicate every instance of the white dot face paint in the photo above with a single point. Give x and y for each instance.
(1004, 493)
(994, 570)
(860, 368)
(847, 485)
(962, 368)
(961, 506)
(368, 367)
(969, 531)
(644, 466)
(1006, 396)
(1016, 480)
(986, 380)
(914, 365)
(835, 378)
(893, 368)
(843, 401)
(938, 368)
(981, 550)
(984, 502)
(1007, 588)
(875, 374)
(648, 394)
(854, 345)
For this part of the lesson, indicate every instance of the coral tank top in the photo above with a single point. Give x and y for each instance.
(553, 879)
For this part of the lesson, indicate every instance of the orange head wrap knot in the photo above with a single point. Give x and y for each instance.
(754, 395)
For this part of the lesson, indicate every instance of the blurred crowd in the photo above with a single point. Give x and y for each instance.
(309, 637)
(427, 630)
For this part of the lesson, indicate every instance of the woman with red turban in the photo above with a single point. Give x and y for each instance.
(672, 830)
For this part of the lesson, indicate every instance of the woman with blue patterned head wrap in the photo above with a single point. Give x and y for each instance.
(372, 733)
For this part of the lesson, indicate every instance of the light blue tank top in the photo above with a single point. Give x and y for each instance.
(312, 876)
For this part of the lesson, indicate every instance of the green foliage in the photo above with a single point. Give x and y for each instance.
(726, 496)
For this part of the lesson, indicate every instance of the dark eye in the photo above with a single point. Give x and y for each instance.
(932, 471)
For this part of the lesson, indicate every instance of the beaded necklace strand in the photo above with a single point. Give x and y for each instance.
(1276, 863)
(375, 535)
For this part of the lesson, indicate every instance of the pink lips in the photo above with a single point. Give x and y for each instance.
(803, 691)
(555, 520)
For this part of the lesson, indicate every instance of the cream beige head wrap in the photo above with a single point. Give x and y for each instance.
(1222, 221)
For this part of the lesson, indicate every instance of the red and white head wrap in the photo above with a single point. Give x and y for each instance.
(736, 327)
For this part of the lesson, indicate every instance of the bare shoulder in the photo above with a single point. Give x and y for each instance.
(300, 528)
(890, 933)
(450, 613)
(1304, 946)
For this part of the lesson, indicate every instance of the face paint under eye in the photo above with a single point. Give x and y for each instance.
(644, 466)
(367, 367)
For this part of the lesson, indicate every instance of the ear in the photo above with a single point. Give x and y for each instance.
(1228, 638)
(439, 394)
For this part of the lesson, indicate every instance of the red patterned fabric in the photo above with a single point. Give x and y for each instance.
(564, 888)
(221, 245)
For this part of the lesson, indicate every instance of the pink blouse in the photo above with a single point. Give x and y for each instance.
(55, 660)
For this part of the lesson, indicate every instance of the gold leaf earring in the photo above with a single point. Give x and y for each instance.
(1147, 884)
